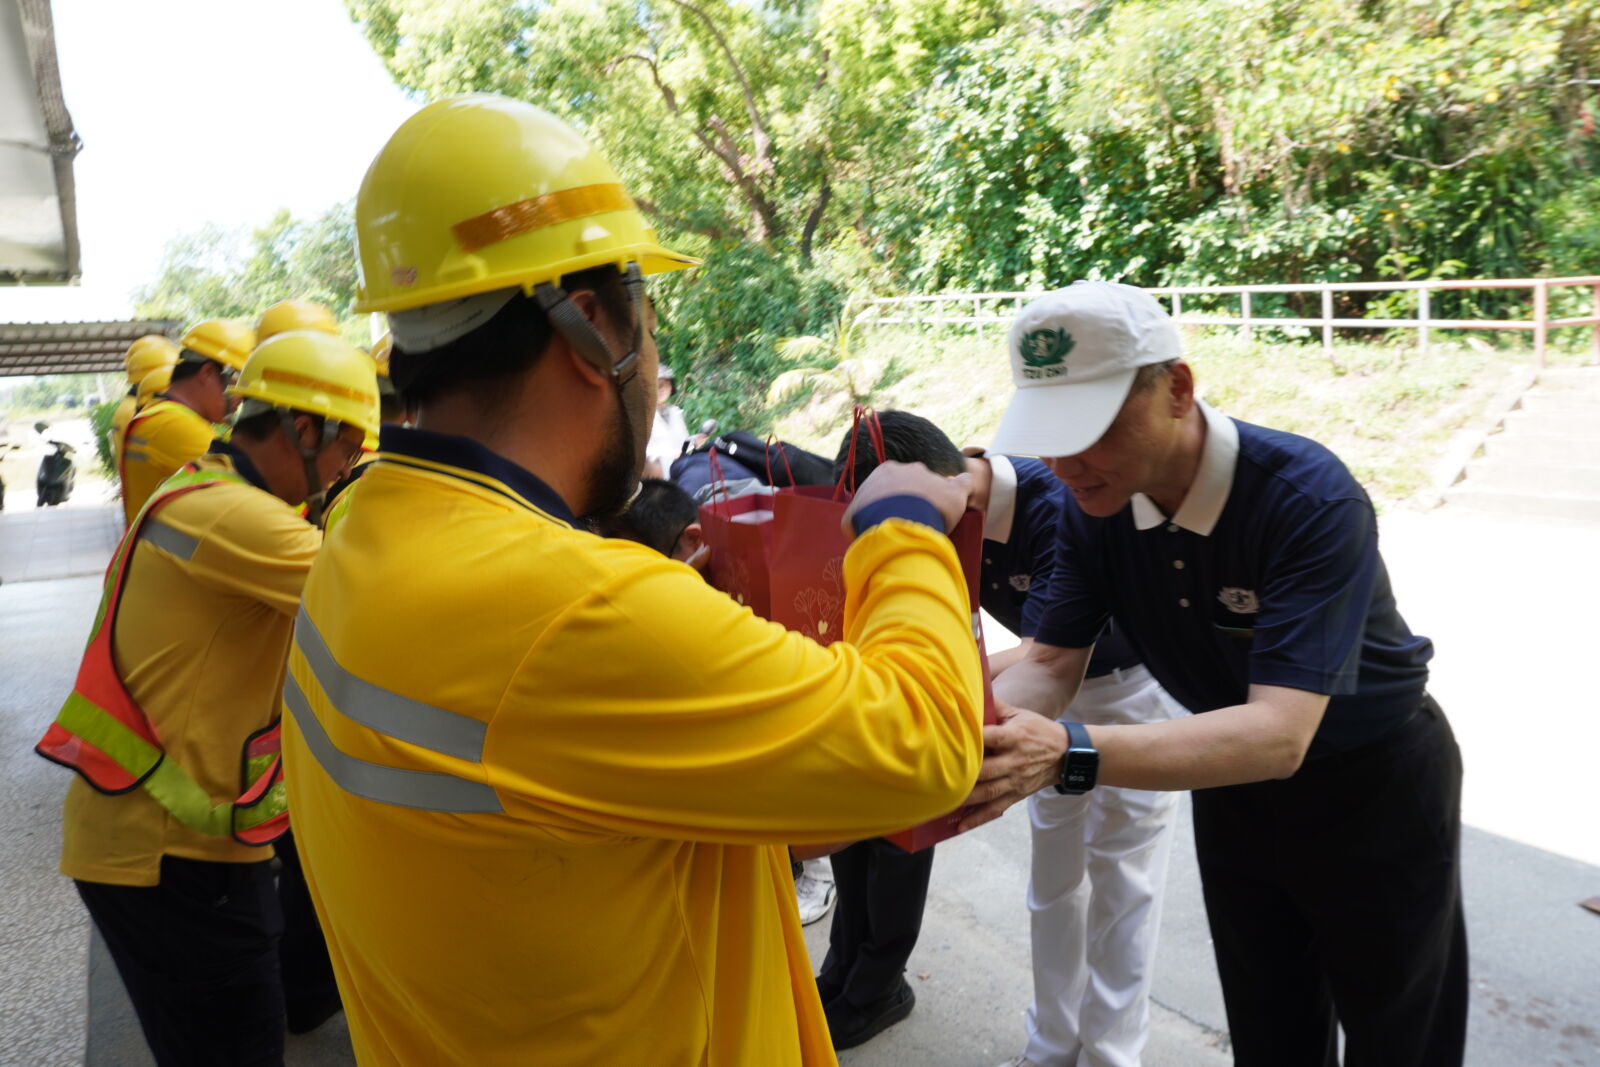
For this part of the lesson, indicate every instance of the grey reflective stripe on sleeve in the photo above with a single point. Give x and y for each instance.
(128, 453)
(135, 439)
(424, 790)
(388, 713)
(161, 535)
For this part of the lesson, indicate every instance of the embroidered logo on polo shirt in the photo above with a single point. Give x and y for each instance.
(1021, 582)
(1044, 353)
(1239, 601)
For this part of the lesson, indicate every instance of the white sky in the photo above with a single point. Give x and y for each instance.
(195, 111)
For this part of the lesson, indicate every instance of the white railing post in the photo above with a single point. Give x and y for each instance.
(977, 320)
(1424, 314)
(1594, 309)
(1327, 321)
(1541, 321)
(1244, 313)
(1177, 306)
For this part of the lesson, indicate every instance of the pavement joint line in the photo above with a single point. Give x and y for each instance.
(1224, 1038)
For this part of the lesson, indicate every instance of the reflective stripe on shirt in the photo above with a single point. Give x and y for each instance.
(388, 713)
(177, 542)
(425, 790)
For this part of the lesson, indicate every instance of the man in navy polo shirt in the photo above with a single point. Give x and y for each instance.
(1242, 563)
(1099, 859)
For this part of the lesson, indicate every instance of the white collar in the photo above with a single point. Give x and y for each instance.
(1002, 509)
(1213, 481)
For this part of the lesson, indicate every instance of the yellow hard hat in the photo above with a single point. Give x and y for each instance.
(147, 353)
(315, 372)
(483, 192)
(382, 350)
(228, 341)
(155, 381)
(288, 315)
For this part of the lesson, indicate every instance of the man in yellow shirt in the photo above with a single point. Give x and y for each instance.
(543, 781)
(183, 675)
(178, 425)
(147, 355)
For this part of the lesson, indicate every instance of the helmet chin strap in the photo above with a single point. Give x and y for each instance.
(580, 333)
(315, 490)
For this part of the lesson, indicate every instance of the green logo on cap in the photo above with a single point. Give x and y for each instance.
(1042, 349)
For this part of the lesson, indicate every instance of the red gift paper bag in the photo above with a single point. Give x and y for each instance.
(738, 538)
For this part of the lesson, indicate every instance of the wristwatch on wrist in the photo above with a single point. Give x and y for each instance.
(1081, 764)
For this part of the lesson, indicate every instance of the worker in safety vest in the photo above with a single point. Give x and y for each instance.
(149, 353)
(173, 722)
(296, 314)
(543, 781)
(178, 424)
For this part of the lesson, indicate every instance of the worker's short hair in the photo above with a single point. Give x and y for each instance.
(484, 362)
(907, 438)
(185, 369)
(656, 518)
(263, 424)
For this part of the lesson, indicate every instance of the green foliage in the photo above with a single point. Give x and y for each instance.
(721, 324)
(213, 271)
(100, 418)
(814, 148)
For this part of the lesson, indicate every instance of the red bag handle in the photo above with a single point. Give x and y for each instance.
(874, 434)
(772, 439)
(717, 479)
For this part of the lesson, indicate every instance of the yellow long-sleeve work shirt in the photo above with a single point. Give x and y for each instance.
(200, 642)
(158, 440)
(127, 408)
(541, 782)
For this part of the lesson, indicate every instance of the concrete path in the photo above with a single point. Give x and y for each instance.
(1508, 603)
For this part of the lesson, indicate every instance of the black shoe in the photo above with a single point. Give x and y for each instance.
(852, 1025)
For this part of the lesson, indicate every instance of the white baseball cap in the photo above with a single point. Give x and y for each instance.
(1074, 355)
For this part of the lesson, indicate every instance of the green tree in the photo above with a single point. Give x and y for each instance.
(236, 273)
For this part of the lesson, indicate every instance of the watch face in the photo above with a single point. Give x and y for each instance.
(1079, 770)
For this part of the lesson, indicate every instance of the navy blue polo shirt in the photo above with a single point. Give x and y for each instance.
(1269, 573)
(1019, 551)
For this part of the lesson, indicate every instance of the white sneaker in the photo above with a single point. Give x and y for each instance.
(814, 890)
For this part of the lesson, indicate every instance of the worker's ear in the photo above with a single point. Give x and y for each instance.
(692, 547)
(1180, 381)
(589, 304)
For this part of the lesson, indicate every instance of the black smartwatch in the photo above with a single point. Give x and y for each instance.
(1081, 764)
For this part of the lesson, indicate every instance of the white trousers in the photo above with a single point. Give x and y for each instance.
(1099, 867)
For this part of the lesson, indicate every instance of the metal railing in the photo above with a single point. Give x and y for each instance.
(996, 309)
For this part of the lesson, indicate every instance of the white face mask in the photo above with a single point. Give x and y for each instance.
(697, 555)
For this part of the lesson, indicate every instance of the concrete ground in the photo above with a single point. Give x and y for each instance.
(1508, 602)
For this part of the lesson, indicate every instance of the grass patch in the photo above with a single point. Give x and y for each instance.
(1384, 408)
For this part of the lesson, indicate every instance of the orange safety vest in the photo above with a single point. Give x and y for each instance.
(101, 733)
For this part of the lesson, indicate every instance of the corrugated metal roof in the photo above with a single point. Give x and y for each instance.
(38, 198)
(73, 347)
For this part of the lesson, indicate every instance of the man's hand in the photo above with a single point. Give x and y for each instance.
(1024, 755)
(949, 495)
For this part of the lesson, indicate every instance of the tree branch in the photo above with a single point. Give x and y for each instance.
(758, 129)
(814, 219)
(1475, 153)
(667, 95)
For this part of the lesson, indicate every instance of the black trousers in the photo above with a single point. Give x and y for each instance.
(309, 988)
(1335, 899)
(877, 918)
(198, 955)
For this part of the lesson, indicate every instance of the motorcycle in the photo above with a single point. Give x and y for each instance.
(56, 474)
